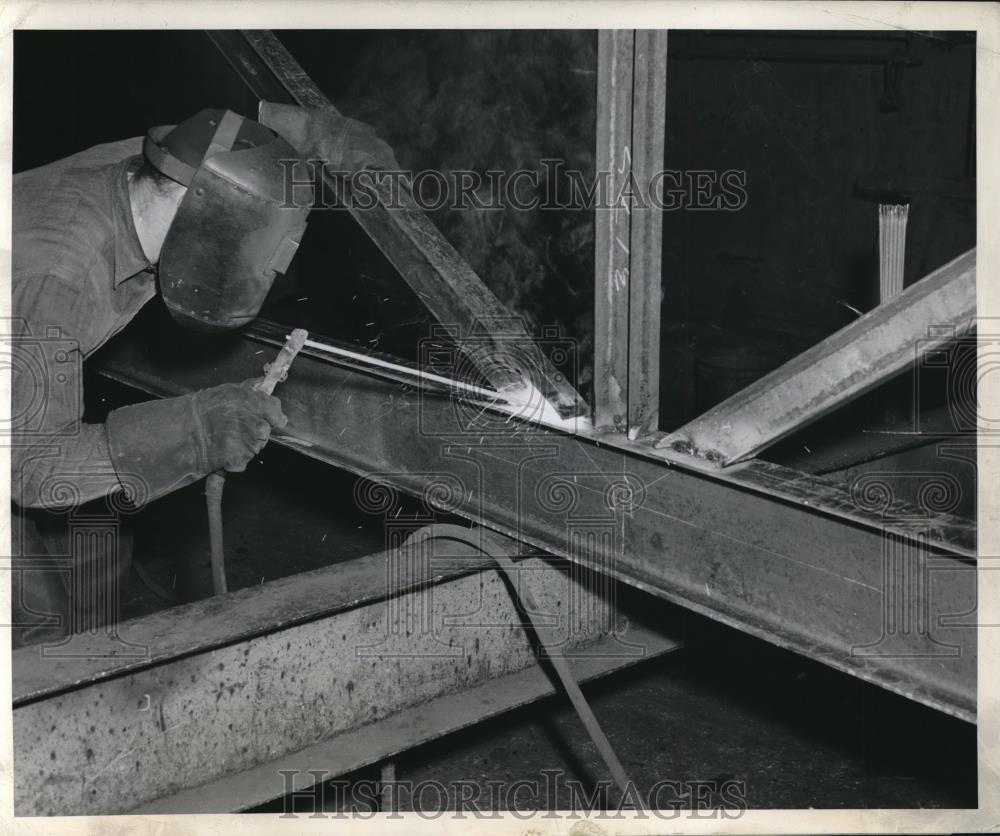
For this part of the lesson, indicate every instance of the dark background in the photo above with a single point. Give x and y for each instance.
(816, 120)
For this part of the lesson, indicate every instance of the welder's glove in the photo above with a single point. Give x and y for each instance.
(161, 446)
(322, 133)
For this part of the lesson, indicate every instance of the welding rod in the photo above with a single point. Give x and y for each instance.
(274, 373)
(892, 220)
(430, 377)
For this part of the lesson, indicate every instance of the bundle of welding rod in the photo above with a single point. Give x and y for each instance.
(891, 249)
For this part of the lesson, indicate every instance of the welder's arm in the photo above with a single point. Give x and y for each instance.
(63, 470)
(345, 145)
(160, 446)
(150, 449)
(56, 459)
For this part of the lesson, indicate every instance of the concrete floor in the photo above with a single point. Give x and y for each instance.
(726, 711)
(729, 708)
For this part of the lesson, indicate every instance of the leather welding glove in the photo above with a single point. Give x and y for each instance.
(167, 444)
(321, 133)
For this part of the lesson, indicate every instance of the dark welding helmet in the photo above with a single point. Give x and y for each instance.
(238, 225)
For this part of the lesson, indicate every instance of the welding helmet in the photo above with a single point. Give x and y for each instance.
(239, 223)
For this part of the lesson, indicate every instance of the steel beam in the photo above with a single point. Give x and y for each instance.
(842, 367)
(238, 682)
(631, 126)
(374, 742)
(793, 559)
(493, 336)
(649, 127)
(246, 613)
(612, 242)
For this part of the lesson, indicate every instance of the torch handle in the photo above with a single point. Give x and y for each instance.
(274, 373)
(276, 370)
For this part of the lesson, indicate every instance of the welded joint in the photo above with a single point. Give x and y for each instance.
(685, 446)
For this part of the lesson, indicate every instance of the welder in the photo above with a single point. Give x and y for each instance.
(201, 216)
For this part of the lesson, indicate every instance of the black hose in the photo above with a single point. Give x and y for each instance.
(214, 486)
(547, 640)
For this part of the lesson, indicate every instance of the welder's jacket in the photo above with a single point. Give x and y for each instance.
(79, 276)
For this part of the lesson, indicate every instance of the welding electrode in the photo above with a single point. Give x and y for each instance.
(214, 484)
(416, 377)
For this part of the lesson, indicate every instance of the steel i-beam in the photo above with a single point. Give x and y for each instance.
(842, 367)
(316, 674)
(796, 560)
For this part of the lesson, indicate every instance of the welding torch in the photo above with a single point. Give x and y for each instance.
(274, 373)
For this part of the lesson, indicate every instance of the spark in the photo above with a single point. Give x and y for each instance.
(849, 307)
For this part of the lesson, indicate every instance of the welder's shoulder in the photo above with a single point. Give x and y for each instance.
(62, 228)
(47, 193)
(62, 213)
(94, 157)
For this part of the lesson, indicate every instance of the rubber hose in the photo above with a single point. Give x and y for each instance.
(548, 641)
(214, 485)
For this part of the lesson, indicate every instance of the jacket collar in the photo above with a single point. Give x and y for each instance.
(129, 257)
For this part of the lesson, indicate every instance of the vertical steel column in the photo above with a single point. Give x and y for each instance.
(615, 57)
(631, 104)
(645, 272)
